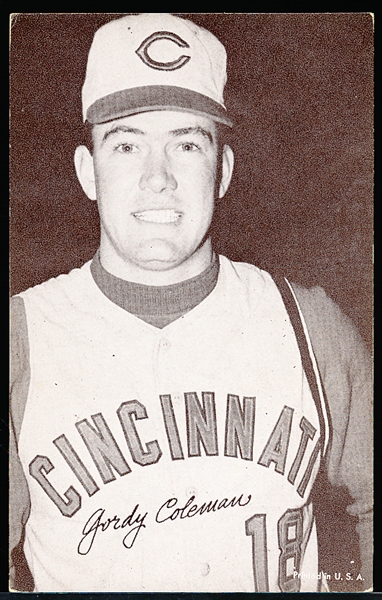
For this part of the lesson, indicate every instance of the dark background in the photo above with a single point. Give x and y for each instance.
(300, 90)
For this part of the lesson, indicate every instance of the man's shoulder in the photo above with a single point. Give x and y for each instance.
(61, 284)
(321, 311)
(324, 318)
(313, 299)
(336, 340)
(248, 273)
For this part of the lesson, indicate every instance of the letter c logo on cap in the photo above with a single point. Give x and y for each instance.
(162, 66)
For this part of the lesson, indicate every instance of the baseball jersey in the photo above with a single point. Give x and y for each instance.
(174, 459)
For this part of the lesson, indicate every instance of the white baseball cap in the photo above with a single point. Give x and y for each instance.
(146, 62)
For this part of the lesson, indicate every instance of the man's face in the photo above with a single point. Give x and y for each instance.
(155, 183)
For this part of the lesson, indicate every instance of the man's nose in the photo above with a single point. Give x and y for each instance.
(157, 175)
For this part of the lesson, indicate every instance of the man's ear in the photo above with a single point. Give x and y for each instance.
(83, 162)
(227, 169)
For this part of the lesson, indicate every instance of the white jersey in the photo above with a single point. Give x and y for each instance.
(174, 459)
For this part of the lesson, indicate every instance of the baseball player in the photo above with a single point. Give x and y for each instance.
(173, 412)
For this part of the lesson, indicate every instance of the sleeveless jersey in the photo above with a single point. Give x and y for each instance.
(174, 459)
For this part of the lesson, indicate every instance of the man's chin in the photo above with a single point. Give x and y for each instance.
(158, 265)
(159, 255)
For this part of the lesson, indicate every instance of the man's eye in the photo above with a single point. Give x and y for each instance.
(126, 148)
(189, 147)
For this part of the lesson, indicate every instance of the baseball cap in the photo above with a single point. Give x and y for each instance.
(154, 61)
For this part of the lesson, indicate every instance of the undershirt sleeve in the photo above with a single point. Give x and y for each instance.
(19, 500)
(346, 371)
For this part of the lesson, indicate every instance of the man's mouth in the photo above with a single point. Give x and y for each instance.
(158, 216)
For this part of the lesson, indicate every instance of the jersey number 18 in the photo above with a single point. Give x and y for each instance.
(289, 529)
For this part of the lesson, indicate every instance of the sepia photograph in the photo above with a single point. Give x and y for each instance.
(191, 313)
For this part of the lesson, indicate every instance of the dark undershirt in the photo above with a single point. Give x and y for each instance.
(157, 305)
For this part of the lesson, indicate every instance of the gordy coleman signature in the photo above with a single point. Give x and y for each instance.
(135, 521)
(95, 523)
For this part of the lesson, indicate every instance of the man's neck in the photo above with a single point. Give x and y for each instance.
(171, 274)
(157, 305)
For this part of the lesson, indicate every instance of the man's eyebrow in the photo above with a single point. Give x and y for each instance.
(195, 130)
(122, 128)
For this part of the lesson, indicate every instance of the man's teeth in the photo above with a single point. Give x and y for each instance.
(158, 216)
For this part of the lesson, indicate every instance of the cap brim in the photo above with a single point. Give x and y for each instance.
(155, 97)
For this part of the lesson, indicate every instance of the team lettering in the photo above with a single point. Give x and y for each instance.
(202, 438)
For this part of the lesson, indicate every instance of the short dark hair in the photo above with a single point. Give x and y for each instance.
(88, 136)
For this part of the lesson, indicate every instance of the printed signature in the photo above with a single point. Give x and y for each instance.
(135, 521)
(95, 524)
